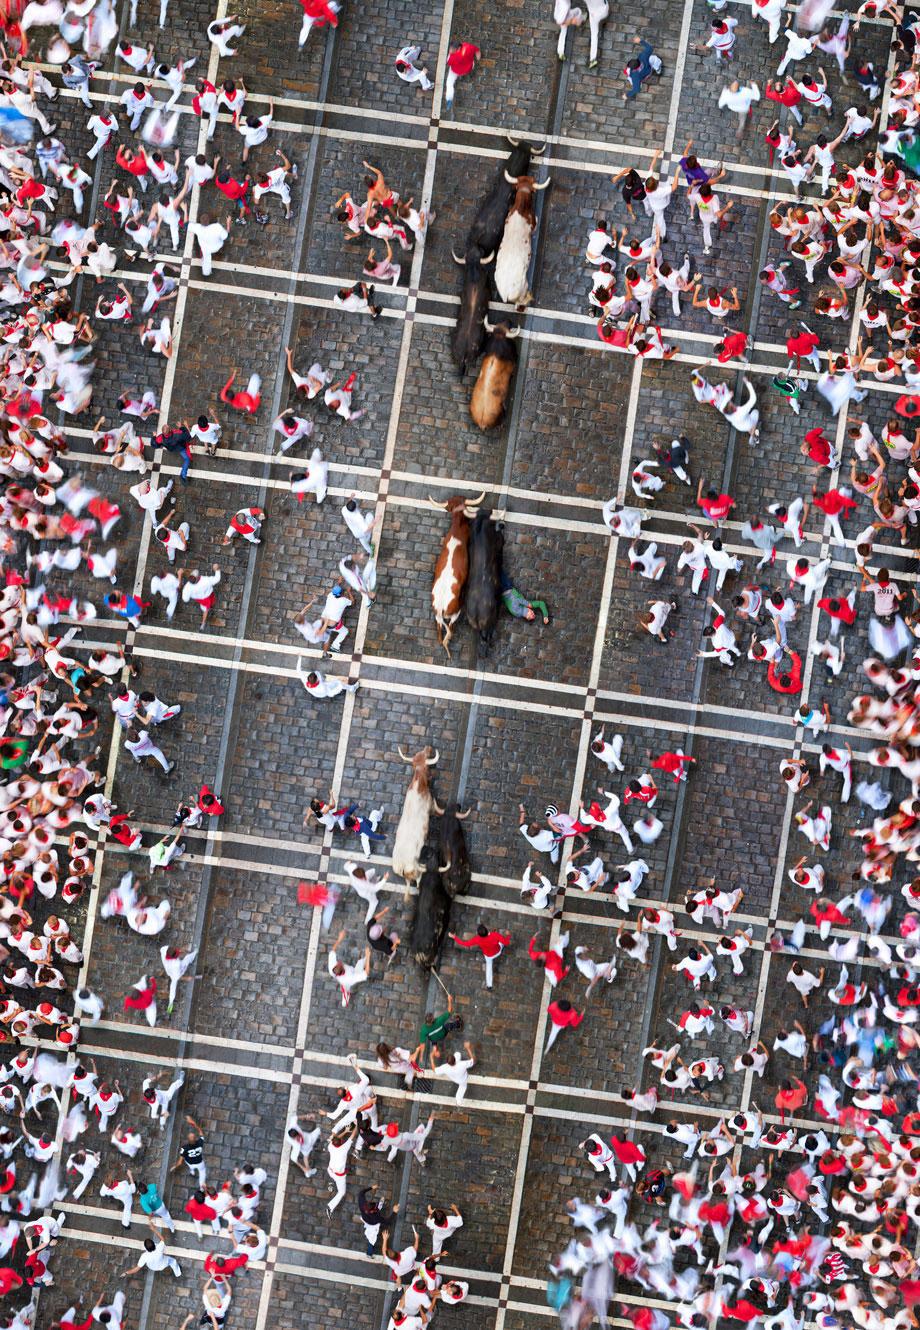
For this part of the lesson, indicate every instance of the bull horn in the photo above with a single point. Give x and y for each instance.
(432, 761)
(461, 817)
(513, 332)
(514, 142)
(446, 868)
(436, 503)
(535, 152)
(474, 503)
(545, 183)
(512, 179)
(488, 257)
(462, 262)
(489, 327)
(402, 754)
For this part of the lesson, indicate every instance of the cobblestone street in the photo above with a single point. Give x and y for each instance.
(261, 1034)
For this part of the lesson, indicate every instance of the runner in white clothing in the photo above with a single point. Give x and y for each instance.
(347, 976)
(222, 31)
(176, 964)
(408, 71)
(211, 237)
(456, 1068)
(324, 685)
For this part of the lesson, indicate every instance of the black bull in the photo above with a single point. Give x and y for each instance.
(487, 230)
(484, 581)
(469, 330)
(456, 874)
(482, 240)
(432, 914)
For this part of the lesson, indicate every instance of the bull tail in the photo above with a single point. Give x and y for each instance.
(485, 640)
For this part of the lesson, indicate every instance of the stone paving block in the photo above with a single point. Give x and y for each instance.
(252, 914)
(594, 107)
(564, 386)
(366, 48)
(509, 86)
(299, 1302)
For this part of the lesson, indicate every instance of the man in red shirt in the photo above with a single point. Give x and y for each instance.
(221, 1266)
(630, 1155)
(234, 190)
(491, 944)
(201, 1213)
(715, 506)
(552, 960)
(792, 1095)
(804, 345)
(732, 347)
(316, 14)
(146, 1000)
(788, 96)
(8, 1280)
(248, 400)
(834, 504)
(461, 61)
(791, 680)
(673, 763)
(135, 163)
(840, 611)
(561, 1014)
(818, 448)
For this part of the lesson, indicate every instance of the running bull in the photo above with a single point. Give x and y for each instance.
(451, 569)
(513, 261)
(412, 831)
(481, 244)
(432, 913)
(490, 392)
(484, 583)
(455, 868)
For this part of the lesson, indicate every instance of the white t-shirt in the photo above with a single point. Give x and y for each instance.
(739, 99)
(210, 237)
(156, 1259)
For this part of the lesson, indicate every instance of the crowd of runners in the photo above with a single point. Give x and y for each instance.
(807, 1210)
(58, 697)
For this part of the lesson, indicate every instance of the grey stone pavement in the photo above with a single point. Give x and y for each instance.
(261, 1034)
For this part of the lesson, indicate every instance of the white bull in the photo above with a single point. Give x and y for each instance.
(412, 831)
(513, 258)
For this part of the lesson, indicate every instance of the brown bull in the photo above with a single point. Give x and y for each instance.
(452, 566)
(499, 361)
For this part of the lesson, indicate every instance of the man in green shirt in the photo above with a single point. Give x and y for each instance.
(790, 388)
(435, 1029)
(518, 605)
